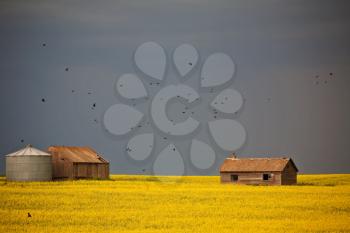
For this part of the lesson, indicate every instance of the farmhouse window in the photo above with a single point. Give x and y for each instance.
(266, 176)
(234, 178)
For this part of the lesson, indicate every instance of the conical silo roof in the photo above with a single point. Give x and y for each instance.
(29, 151)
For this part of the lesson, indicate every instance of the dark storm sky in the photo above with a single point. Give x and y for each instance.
(292, 62)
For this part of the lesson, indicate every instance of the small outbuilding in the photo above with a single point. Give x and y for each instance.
(71, 162)
(259, 171)
(29, 164)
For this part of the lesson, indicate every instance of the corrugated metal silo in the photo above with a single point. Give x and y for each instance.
(29, 164)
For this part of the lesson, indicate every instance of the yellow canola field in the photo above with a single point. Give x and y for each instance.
(319, 203)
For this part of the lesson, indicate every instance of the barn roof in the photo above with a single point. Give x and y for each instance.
(29, 151)
(255, 164)
(77, 154)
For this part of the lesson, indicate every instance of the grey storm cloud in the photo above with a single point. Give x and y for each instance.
(279, 49)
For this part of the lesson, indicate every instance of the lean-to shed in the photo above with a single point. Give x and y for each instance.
(71, 162)
(265, 171)
(28, 164)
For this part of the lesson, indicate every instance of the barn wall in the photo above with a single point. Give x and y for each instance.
(289, 175)
(61, 168)
(80, 170)
(91, 170)
(251, 178)
(103, 171)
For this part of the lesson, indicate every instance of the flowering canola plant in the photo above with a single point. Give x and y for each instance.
(319, 203)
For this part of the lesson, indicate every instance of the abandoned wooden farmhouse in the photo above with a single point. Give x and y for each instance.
(259, 171)
(70, 162)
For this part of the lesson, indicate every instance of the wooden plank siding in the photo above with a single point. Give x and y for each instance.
(90, 171)
(103, 171)
(253, 178)
(289, 175)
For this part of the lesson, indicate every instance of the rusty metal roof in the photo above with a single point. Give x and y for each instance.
(76, 154)
(255, 164)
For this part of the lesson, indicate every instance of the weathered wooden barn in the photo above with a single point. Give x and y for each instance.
(259, 171)
(70, 162)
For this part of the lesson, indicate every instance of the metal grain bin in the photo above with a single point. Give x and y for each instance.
(29, 164)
